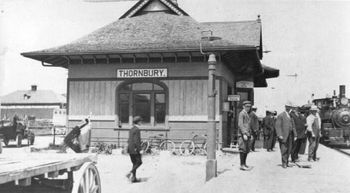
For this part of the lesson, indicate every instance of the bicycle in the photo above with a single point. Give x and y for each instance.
(197, 145)
(157, 143)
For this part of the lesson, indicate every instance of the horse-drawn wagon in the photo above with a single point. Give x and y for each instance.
(49, 172)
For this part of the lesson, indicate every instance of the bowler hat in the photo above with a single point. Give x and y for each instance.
(247, 103)
(136, 119)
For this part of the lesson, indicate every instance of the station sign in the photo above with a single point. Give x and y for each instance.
(142, 73)
(245, 84)
(233, 97)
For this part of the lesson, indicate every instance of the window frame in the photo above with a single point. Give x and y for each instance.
(152, 93)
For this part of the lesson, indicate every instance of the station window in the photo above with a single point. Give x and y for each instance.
(145, 99)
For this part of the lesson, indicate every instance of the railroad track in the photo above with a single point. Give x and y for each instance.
(343, 151)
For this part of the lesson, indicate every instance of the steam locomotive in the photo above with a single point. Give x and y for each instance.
(335, 116)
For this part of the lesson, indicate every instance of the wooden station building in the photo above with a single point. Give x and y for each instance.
(149, 63)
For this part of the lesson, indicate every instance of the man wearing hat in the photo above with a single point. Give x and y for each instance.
(244, 130)
(134, 148)
(285, 130)
(300, 122)
(269, 130)
(314, 132)
(254, 127)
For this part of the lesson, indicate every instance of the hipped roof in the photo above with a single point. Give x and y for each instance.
(159, 32)
(28, 97)
(139, 31)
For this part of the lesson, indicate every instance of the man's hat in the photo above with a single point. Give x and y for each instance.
(247, 103)
(136, 119)
(313, 108)
(290, 104)
(254, 107)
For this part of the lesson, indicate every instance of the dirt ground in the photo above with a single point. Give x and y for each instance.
(158, 173)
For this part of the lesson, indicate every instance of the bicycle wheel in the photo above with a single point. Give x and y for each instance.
(187, 147)
(167, 145)
(204, 149)
(145, 146)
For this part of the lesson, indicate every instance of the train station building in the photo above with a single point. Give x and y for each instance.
(149, 63)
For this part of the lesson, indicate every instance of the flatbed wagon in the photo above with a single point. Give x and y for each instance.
(49, 172)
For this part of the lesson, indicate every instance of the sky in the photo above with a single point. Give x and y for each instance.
(309, 38)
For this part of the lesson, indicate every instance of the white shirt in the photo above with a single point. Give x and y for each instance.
(310, 120)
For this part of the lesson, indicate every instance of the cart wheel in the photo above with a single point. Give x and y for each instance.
(19, 137)
(87, 179)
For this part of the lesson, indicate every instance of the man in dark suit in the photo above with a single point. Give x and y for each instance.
(134, 148)
(285, 130)
(254, 127)
(269, 130)
(245, 133)
(300, 122)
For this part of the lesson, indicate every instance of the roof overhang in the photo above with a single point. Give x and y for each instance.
(268, 72)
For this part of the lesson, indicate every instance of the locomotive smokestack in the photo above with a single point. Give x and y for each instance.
(342, 91)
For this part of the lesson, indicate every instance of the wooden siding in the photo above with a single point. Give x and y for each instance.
(96, 97)
(189, 97)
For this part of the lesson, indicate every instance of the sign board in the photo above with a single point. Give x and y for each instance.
(245, 84)
(233, 97)
(142, 73)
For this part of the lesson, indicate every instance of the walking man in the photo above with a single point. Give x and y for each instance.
(269, 130)
(134, 148)
(314, 132)
(300, 122)
(244, 131)
(254, 127)
(285, 130)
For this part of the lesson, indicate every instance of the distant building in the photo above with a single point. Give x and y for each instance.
(149, 63)
(39, 104)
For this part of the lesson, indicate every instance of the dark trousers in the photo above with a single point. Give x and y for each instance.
(252, 141)
(136, 163)
(286, 148)
(243, 158)
(296, 148)
(270, 142)
(303, 146)
(313, 146)
(273, 140)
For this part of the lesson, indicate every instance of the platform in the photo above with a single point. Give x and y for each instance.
(330, 174)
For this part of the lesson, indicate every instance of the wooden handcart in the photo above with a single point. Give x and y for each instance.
(49, 172)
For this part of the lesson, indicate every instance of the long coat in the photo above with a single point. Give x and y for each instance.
(244, 129)
(134, 141)
(300, 122)
(254, 123)
(284, 125)
(269, 125)
(244, 123)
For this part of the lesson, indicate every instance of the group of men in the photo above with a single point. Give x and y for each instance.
(290, 128)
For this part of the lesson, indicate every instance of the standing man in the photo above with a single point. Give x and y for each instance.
(134, 148)
(269, 130)
(244, 131)
(314, 132)
(254, 127)
(274, 116)
(285, 130)
(300, 122)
